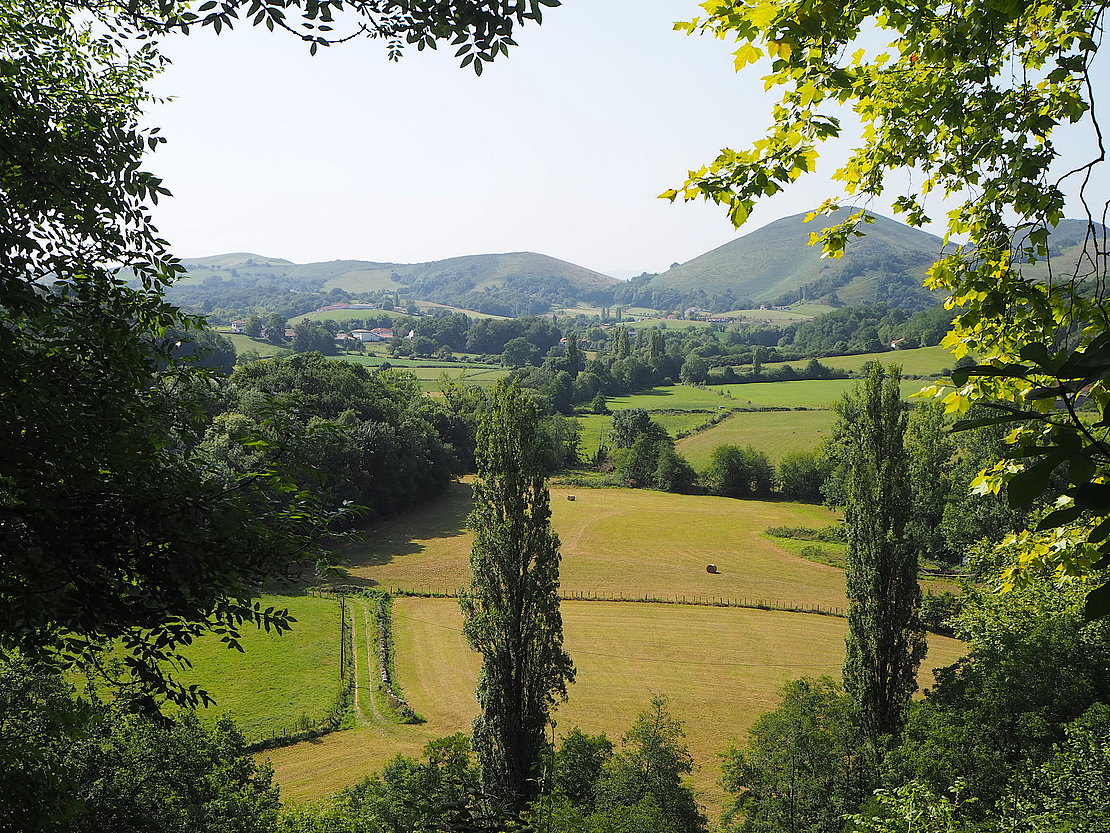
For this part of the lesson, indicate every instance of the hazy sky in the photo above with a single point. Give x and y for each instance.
(560, 148)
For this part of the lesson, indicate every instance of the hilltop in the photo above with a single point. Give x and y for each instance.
(513, 283)
(775, 264)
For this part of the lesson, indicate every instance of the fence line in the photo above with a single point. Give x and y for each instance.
(696, 600)
(305, 728)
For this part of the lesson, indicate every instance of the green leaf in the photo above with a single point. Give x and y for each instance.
(1026, 486)
(1098, 603)
(1059, 518)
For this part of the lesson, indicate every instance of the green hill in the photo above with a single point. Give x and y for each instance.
(776, 264)
(513, 283)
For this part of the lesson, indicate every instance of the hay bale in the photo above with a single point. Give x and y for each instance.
(570, 497)
(711, 568)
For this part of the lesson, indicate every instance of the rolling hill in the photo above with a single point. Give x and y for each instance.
(513, 283)
(776, 264)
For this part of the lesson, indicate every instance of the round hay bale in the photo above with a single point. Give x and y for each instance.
(570, 497)
(711, 568)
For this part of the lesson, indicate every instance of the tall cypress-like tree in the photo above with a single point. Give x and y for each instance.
(574, 355)
(886, 641)
(511, 608)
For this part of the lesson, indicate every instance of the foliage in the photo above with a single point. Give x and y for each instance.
(577, 766)
(363, 437)
(739, 472)
(886, 641)
(409, 795)
(930, 451)
(969, 98)
(806, 764)
(630, 424)
(1033, 666)
(519, 353)
(201, 348)
(81, 765)
(511, 608)
(801, 475)
(650, 766)
(309, 337)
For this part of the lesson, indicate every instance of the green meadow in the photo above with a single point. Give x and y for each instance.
(813, 393)
(919, 361)
(776, 433)
(278, 679)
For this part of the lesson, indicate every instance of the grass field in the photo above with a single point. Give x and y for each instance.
(674, 397)
(278, 679)
(814, 393)
(344, 315)
(921, 361)
(425, 306)
(776, 316)
(595, 427)
(429, 371)
(631, 541)
(243, 343)
(773, 432)
(721, 668)
(664, 323)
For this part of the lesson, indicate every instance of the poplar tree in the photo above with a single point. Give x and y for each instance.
(511, 608)
(574, 355)
(886, 641)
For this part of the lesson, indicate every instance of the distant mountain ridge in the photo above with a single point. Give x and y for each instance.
(772, 265)
(512, 283)
(775, 264)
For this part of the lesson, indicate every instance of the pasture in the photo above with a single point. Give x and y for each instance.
(720, 667)
(813, 393)
(671, 398)
(920, 361)
(429, 371)
(595, 427)
(615, 541)
(432, 307)
(776, 433)
(344, 315)
(278, 679)
(244, 343)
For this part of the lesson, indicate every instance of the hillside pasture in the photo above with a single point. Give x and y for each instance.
(278, 678)
(432, 307)
(344, 315)
(812, 393)
(429, 371)
(633, 542)
(363, 280)
(671, 398)
(595, 427)
(770, 316)
(919, 361)
(244, 343)
(663, 324)
(776, 433)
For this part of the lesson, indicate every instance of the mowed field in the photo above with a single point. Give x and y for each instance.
(674, 397)
(720, 668)
(429, 371)
(633, 542)
(595, 427)
(776, 433)
(920, 361)
(244, 343)
(812, 393)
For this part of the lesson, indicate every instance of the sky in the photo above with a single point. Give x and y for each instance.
(560, 148)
